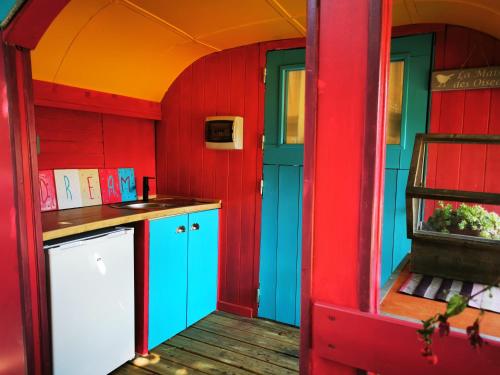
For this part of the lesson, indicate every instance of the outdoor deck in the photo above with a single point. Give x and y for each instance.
(224, 344)
(416, 308)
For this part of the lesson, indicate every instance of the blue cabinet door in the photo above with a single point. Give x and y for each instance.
(167, 278)
(202, 268)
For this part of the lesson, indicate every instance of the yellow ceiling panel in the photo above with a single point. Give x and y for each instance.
(116, 53)
(482, 15)
(138, 47)
(302, 21)
(296, 8)
(400, 15)
(197, 17)
(57, 39)
(252, 33)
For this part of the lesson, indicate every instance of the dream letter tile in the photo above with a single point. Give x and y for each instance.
(48, 198)
(127, 184)
(89, 184)
(110, 186)
(68, 188)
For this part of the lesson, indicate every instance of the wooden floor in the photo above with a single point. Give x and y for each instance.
(224, 344)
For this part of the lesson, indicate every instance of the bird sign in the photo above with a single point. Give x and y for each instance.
(466, 79)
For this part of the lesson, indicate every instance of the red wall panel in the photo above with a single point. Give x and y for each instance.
(78, 139)
(130, 142)
(465, 112)
(69, 139)
(224, 83)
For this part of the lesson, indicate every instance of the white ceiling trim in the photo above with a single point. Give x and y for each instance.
(287, 16)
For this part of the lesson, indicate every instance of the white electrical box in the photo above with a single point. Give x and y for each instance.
(224, 132)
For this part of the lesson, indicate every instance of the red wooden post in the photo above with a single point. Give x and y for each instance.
(20, 92)
(12, 351)
(347, 63)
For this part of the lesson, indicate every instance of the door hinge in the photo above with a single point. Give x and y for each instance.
(264, 75)
(263, 139)
(258, 296)
(261, 187)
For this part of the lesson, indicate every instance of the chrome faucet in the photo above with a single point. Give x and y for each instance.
(145, 187)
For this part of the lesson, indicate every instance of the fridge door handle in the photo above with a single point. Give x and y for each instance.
(101, 266)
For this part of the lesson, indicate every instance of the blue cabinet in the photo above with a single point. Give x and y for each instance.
(202, 265)
(183, 259)
(168, 239)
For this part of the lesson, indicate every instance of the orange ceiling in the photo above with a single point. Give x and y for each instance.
(482, 15)
(138, 47)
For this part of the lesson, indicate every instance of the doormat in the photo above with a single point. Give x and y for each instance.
(439, 289)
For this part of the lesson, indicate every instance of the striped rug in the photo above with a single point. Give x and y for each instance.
(443, 289)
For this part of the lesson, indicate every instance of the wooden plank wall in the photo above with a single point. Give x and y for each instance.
(77, 139)
(465, 112)
(224, 83)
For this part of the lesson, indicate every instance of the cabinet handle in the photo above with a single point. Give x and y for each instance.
(195, 226)
(181, 229)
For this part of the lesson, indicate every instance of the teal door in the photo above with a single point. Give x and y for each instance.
(168, 241)
(408, 98)
(281, 228)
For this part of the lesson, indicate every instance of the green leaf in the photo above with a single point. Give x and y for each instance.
(456, 305)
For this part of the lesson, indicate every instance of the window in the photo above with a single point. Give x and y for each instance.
(295, 87)
(395, 102)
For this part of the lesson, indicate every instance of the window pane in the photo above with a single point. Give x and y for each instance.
(395, 102)
(294, 111)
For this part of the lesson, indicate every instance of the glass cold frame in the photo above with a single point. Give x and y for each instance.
(295, 106)
(395, 102)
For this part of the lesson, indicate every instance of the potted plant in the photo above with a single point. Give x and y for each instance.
(465, 220)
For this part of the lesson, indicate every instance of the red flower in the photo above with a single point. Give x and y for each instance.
(433, 359)
(429, 355)
(444, 328)
(475, 338)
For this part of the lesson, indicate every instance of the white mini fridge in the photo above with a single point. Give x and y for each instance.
(91, 297)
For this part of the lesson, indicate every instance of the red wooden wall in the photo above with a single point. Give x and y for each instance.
(465, 112)
(77, 139)
(224, 83)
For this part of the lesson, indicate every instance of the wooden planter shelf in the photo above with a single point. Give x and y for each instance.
(451, 256)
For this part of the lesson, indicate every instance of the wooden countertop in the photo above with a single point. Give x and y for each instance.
(417, 308)
(64, 223)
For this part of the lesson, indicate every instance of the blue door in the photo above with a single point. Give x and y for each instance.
(167, 278)
(203, 257)
(281, 225)
(408, 98)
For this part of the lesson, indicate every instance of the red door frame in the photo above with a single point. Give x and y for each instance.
(23, 34)
(347, 62)
(13, 348)
(347, 65)
(28, 218)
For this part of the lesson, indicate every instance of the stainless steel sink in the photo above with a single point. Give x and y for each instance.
(158, 203)
(142, 205)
